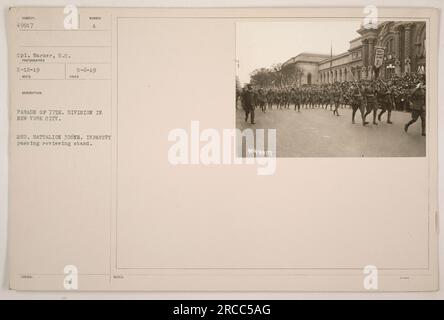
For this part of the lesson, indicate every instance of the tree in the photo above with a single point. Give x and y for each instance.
(261, 78)
(291, 74)
(278, 75)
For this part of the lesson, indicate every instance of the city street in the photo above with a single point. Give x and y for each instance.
(317, 133)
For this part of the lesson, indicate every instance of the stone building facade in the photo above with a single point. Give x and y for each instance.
(309, 64)
(404, 45)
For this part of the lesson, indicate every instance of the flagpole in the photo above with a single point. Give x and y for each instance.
(331, 58)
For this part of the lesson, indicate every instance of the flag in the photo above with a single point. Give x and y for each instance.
(379, 56)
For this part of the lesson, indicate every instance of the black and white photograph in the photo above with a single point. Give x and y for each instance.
(246, 152)
(334, 88)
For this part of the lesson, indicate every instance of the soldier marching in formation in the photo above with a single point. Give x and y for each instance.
(248, 102)
(418, 106)
(367, 96)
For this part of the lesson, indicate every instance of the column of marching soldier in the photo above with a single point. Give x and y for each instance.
(367, 96)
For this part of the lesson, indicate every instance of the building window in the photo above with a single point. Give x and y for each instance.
(390, 46)
(309, 78)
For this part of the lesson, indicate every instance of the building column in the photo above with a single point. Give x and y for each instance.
(396, 48)
(371, 53)
(364, 59)
(365, 52)
(407, 40)
(407, 44)
(364, 72)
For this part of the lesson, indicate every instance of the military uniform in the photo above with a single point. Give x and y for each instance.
(371, 102)
(261, 99)
(248, 104)
(270, 98)
(385, 100)
(418, 101)
(358, 103)
(337, 96)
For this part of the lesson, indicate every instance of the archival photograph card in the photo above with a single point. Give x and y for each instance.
(236, 149)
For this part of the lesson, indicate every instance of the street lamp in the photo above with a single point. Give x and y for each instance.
(390, 68)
